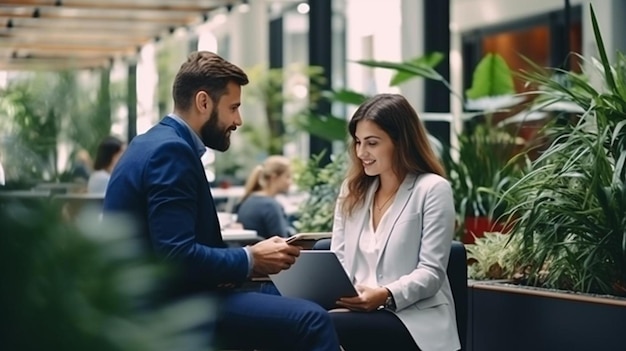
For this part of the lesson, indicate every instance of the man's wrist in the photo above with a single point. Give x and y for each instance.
(250, 260)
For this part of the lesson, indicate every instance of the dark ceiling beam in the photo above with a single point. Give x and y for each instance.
(54, 34)
(76, 34)
(109, 12)
(164, 18)
(29, 64)
(69, 47)
(53, 54)
(78, 23)
(182, 6)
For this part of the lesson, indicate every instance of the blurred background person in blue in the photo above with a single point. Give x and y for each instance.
(259, 210)
(109, 151)
(81, 170)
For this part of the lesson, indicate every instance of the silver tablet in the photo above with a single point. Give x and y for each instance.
(317, 276)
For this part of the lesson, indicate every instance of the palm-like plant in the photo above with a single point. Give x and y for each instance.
(569, 208)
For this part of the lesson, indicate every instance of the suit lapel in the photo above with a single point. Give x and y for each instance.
(399, 203)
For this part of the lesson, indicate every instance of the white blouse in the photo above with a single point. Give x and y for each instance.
(367, 253)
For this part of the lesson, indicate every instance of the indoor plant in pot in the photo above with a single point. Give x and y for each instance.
(567, 211)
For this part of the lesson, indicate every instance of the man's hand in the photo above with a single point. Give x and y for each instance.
(369, 299)
(273, 255)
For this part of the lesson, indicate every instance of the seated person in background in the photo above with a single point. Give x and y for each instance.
(109, 151)
(392, 232)
(259, 210)
(82, 167)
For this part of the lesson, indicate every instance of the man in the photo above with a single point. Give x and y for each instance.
(160, 181)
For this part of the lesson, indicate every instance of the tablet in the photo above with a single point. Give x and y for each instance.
(307, 240)
(316, 276)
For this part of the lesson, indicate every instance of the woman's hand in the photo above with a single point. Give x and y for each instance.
(369, 299)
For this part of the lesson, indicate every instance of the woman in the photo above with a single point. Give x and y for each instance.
(109, 152)
(259, 209)
(392, 231)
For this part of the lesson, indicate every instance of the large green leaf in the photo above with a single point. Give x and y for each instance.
(427, 62)
(601, 50)
(326, 127)
(492, 77)
(345, 96)
(422, 66)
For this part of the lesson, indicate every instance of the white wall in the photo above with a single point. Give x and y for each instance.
(413, 46)
(373, 31)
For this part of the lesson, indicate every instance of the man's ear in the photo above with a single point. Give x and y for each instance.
(203, 102)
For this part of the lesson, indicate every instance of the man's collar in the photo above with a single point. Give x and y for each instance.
(199, 145)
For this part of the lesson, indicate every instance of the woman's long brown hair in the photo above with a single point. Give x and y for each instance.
(413, 154)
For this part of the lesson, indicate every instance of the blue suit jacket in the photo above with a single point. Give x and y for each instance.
(160, 182)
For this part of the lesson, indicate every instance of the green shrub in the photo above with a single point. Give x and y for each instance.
(84, 287)
(322, 186)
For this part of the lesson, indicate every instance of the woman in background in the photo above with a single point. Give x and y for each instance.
(109, 151)
(259, 209)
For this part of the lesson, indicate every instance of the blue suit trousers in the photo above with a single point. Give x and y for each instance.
(252, 320)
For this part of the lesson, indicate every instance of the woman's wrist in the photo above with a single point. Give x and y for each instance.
(383, 293)
(389, 302)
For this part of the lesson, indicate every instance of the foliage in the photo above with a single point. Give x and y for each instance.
(333, 128)
(84, 287)
(486, 163)
(569, 208)
(493, 256)
(322, 185)
(274, 88)
(423, 66)
(170, 53)
(36, 123)
(89, 122)
(492, 77)
(45, 109)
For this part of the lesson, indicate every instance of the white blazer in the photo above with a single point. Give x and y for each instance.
(414, 256)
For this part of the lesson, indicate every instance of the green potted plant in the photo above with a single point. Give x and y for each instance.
(573, 199)
(567, 217)
(493, 256)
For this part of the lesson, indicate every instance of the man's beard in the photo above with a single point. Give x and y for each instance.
(213, 135)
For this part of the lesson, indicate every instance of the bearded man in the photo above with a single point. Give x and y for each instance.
(160, 182)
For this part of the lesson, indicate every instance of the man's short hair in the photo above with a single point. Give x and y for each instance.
(205, 71)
